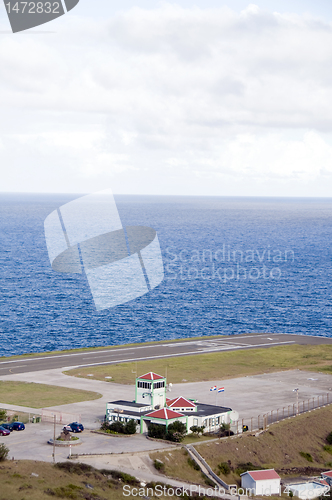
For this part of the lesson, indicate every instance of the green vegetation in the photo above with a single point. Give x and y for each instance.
(71, 480)
(329, 438)
(41, 395)
(175, 432)
(196, 430)
(203, 367)
(306, 455)
(280, 446)
(159, 465)
(224, 468)
(193, 464)
(3, 452)
(3, 415)
(119, 427)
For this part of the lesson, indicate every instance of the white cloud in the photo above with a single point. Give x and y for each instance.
(206, 93)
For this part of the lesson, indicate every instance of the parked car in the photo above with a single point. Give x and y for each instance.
(8, 426)
(3, 431)
(18, 426)
(74, 427)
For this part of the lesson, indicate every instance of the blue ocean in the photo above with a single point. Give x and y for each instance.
(232, 265)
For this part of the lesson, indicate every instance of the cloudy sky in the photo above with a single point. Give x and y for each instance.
(190, 97)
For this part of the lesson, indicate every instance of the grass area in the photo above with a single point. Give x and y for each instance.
(297, 442)
(41, 395)
(80, 482)
(218, 365)
(192, 439)
(103, 348)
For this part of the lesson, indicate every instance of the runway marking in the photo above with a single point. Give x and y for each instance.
(181, 354)
(108, 351)
(21, 366)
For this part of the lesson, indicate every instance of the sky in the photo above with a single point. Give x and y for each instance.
(213, 98)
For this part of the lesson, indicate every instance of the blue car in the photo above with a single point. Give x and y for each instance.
(18, 426)
(8, 426)
(74, 427)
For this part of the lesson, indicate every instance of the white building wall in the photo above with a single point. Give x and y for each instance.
(267, 487)
(247, 482)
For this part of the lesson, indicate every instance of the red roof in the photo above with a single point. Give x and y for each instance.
(180, 403)
(151, 376)
(164, 414)
(322, 481)
(328, 473)
(262, 475)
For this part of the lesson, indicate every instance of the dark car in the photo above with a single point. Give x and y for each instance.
(18, 426)
(74, 427)
(4, 432)
(8, 426)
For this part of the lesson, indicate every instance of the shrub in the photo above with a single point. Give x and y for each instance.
(208, 481)
(159, 465)
(116, 426)
(193, 464)
(307, 456)
(120, 476)
(157, 431)
(74, 468)
(130, 427)
(328, 448)
(224, 468)
(195, 429)
(3, 452)
(176, 431)
(3, 415)
(329, 438)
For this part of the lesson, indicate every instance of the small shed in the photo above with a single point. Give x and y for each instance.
(261, 482)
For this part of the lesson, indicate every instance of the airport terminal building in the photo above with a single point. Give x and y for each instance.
(152, 406)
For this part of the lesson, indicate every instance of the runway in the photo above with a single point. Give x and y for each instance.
(154, 351)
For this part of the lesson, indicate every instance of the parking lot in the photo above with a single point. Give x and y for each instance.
(31, 444)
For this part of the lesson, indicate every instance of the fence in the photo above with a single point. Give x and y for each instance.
(262, 421)
(60, 417)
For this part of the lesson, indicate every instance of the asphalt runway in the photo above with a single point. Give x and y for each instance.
(154, 351)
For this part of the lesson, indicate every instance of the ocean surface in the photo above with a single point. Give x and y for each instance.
(232, 265)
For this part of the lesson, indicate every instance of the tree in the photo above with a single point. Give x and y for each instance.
(116, 426)
(130, 427)
(176, 431)
(3, 452)
(3, 415)
(195, 429)
(157, 431)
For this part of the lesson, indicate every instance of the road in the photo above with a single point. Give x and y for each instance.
(153, 351)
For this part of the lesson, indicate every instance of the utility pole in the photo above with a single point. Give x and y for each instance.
(54, 439)
(297, 400)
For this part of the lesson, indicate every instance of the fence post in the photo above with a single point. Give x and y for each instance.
(313, 404)
(237, 427)
(251, 425)
(283, 412)
(293, 409)
(278, 415)
(328, 398)
(258, 421)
